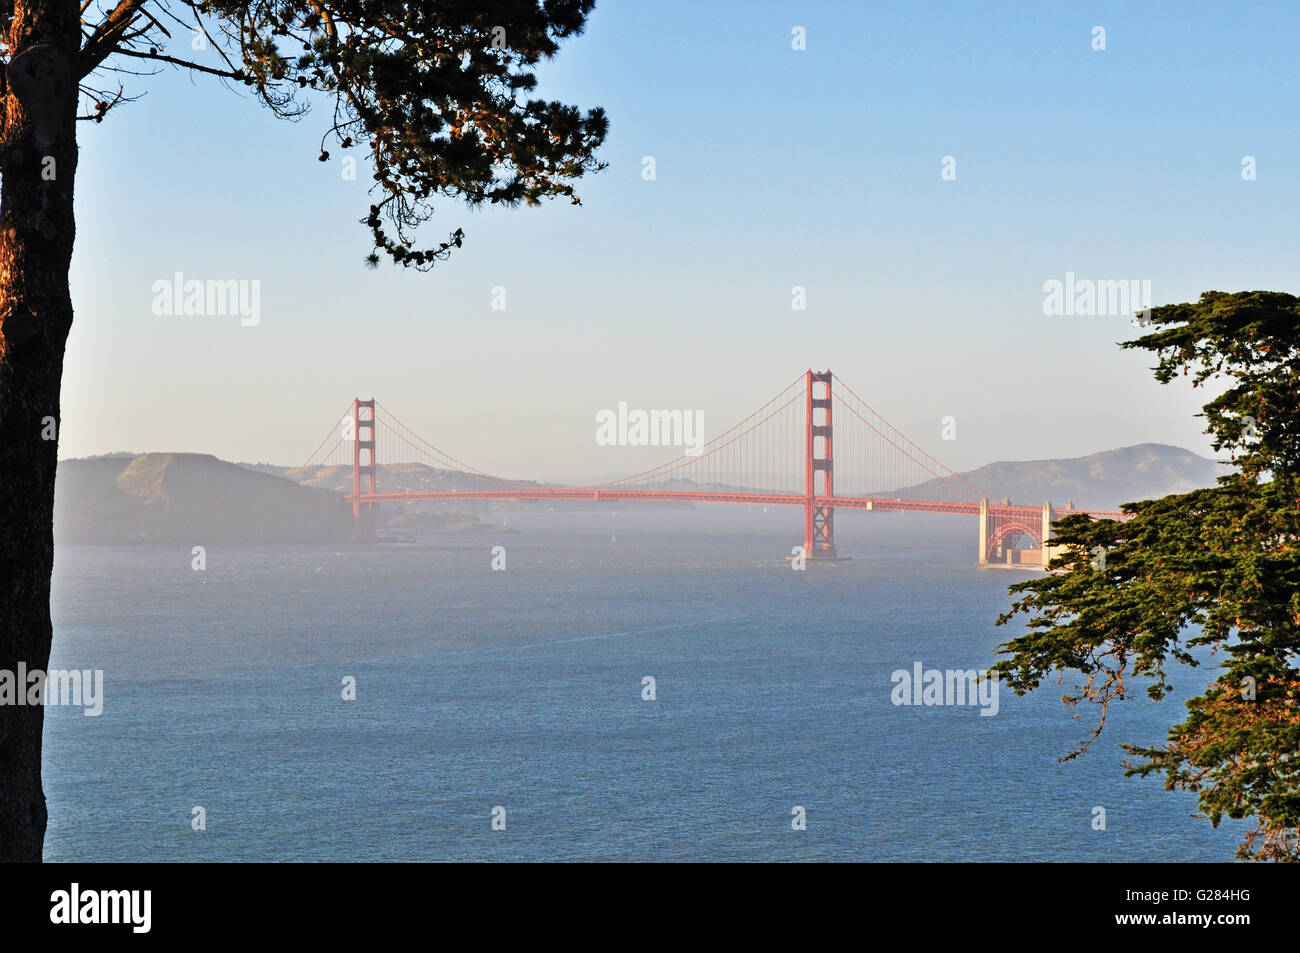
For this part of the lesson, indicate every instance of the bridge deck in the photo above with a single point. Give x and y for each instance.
(612, 495)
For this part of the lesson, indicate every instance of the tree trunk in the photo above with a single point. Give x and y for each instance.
(38, 159)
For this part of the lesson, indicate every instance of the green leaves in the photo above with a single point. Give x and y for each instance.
(1218, 568)
(435, 91)
(1249, 341)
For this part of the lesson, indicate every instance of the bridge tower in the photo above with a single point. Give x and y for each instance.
(362, 469)
(818, 520)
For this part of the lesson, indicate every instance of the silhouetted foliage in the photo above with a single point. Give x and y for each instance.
(1217, 568)
(439, 93)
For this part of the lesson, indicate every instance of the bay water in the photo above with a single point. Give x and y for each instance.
(517, 694)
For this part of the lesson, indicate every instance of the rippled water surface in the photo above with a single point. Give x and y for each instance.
(522, 689)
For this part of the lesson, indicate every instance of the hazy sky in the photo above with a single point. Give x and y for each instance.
(775, 168)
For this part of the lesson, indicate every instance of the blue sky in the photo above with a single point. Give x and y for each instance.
(775, 167)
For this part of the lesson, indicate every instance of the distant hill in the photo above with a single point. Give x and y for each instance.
(189, 498)
(1098, 481)
(417, 477)
(194, 498)
(390, 477)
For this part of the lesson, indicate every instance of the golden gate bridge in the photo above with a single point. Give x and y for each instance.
(816, 445)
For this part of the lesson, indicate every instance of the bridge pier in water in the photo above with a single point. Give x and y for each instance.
(818, 518)
(363, 526)
(999, 525)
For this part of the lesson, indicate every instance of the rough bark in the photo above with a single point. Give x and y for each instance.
(38, 158)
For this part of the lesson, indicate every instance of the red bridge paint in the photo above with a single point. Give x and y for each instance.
(733, 458)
